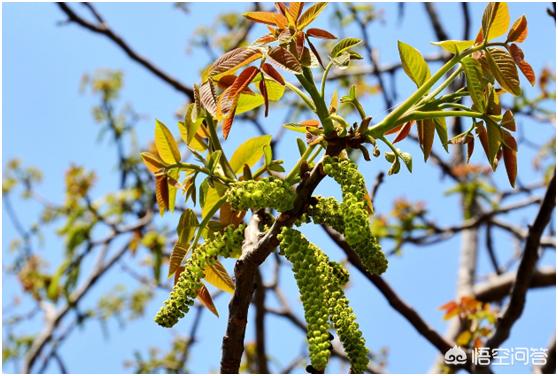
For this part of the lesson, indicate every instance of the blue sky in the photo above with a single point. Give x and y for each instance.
(48, 123)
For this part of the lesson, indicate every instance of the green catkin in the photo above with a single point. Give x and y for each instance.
(186, 288)
(257, 194)
(310, 275)
(327, 211)
(344, 319)
(355, 216)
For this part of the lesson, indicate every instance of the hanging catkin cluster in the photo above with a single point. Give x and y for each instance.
(310, 276)
(355, 216)
(186, 288)
(344, 320)
(320, 282)
(327, 211)
(257, 194)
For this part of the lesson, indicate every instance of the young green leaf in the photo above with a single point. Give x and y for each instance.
(172, 176)
(494, 142)
(475, 81)
(166, 144)
(454, 46)
(249, 152)
(344, 45)
(407, 159)
(413, 63)
(426, 129)
(442, 131)
(495, 20)
(152, 162)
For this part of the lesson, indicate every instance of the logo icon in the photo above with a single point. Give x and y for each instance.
(456, 355)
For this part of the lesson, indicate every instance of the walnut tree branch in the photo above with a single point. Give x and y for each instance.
(103, 29)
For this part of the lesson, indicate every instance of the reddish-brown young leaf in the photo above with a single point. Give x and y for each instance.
(229, 98)
(310, 15)
(394, 130)
(162, 192)
(268, 18)
(518, 32)
(285, 59)
(502, 66)
(263, 91)
(177, 255)
(208, 98)
(524, 67)
(227, 124)
(281, 21)
(483, 137)
(299, 43)
(508, 121)
(153, 163)
(205, 298)
(266, 39)
(480, 37)
(234, 59)
(404, 132)
(509, 151)
(320, 33)
(294, 10)
(272, 72)
(229, 216)
(310, 123)
(315, 52)
(470, 147)
(226, 81)
(281, 7)
(426, 131)
(177, 273)
(243, 80)
(508, 140)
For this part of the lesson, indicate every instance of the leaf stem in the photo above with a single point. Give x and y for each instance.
(442, 86)
(214, 138)
(303, 96)
(324, 78)
(307, 82)
(303, 157)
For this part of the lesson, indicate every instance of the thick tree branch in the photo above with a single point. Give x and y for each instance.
(259, 301)
(103, 29)
(526, 268)
(393, 299)
(245, 271)
(497, 288)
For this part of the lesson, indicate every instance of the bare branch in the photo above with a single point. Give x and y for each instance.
(526, 268)
(103, 29)
(497, 288)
